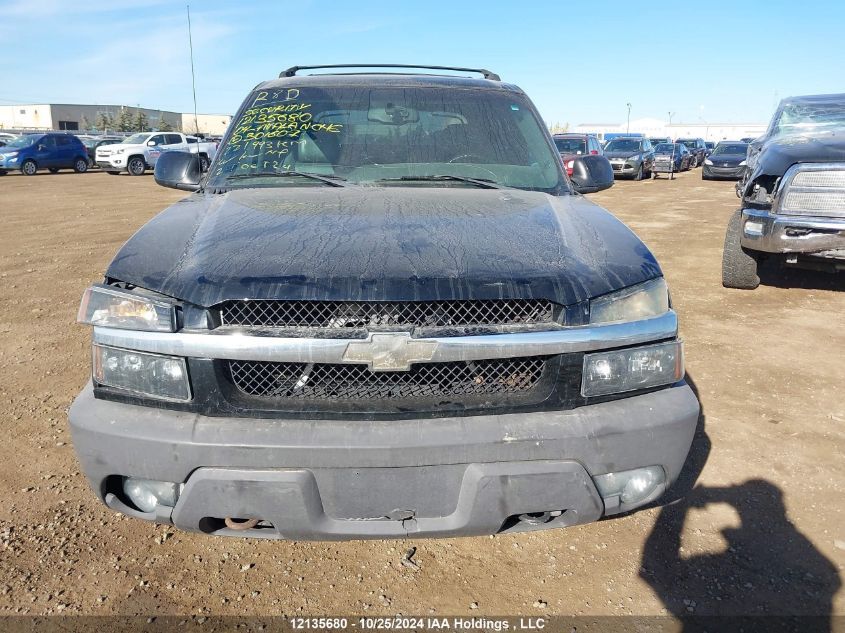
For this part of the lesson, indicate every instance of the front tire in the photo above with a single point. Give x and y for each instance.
(29, 167)
(136, 166)
(80, 165)
(739, 266)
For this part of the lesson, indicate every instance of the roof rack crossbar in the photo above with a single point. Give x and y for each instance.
(290, 72)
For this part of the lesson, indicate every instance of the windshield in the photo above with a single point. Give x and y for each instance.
(377, 134)
(135, 139)
(804, 118)
(732, 148)
(667, 148)
(571, 145)
(24, 141)
(690, 143)
(622, 145)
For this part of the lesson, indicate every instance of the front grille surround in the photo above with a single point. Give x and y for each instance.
(345, 315)
(284, 382)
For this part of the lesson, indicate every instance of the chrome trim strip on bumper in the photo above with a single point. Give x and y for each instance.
(239, 345)
(824, 233)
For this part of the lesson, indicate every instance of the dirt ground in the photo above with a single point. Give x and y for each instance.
(757, 525)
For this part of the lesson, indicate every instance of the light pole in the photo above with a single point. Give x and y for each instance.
(628, 126)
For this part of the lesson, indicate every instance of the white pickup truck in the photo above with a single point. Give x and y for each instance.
(139, 152)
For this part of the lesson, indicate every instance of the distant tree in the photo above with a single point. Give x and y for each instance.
(141, 123)
(104, 121)
(164, 124)
(84, 123)
(124, 121)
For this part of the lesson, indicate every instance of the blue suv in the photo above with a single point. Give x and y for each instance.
(32, 152)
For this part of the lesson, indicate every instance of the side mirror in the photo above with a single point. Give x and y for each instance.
(590, 174)
(178, 170)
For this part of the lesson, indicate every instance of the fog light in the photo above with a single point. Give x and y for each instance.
(753, 228)
(146, 494)
(630, 488)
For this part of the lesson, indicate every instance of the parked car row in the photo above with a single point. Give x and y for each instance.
(29, 153)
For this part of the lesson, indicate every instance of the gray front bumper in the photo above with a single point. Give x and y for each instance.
(330, 479)
(791, 234)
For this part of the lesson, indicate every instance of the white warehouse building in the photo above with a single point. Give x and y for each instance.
(661, 129)
(81, 117)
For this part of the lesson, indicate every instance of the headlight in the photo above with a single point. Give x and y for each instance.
(631, 369)
(707, 161)
(119, 151)
(642, 301)
(154, 375)
(12, 155)
(113, 307)
(635, 157)
(743, 163)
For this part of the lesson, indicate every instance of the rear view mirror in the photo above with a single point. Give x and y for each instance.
(178, 170)
(591, 173)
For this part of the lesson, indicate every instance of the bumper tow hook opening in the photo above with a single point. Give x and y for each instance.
(240, 524)
(538, 518)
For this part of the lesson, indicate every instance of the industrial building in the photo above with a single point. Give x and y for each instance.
(81, 118)
(660, 129)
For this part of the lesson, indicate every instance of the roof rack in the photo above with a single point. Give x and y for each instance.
(290, 72)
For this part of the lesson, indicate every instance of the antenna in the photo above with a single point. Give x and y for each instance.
(194, 88)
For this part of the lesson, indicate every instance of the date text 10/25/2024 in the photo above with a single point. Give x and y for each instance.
(409, 623)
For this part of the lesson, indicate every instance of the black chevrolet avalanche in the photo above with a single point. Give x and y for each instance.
(384, 311)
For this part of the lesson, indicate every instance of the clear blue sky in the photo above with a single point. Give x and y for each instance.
(579, 61)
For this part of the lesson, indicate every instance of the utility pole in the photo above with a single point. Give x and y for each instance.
(628, 126)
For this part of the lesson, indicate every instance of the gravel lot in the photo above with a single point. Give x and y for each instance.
(757, 526)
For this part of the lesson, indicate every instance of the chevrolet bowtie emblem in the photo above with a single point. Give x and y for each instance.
(393, 351)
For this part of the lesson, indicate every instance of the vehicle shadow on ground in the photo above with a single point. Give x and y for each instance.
(767, 567)
(782, 277)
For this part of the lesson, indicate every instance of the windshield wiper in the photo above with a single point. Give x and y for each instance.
(481, 182)
(334, 181)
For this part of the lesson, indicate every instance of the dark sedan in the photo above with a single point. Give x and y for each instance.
(697, 148)
(727, 161)
(633, 157)
(670, 158)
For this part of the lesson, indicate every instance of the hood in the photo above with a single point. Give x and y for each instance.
(731, 159)
(383, 243)
(620, 154)
(771, 159)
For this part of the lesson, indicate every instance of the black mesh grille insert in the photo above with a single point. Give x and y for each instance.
(358, 314)
(356, 382)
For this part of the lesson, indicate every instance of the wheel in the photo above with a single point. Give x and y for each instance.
(639, 175)
(80, 165)
(203, 163)
(29, 167)
(113, 173)
(739, 267)
(53, 170)
(136, 166)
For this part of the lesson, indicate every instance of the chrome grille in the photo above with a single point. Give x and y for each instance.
(357, 382)
(357, 314)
